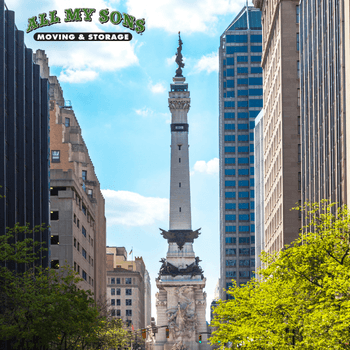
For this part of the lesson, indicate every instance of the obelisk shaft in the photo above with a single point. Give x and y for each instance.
(180, 197)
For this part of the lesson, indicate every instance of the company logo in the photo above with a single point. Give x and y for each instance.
(80, 14)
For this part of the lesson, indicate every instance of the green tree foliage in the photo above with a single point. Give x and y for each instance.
(45, 309)
(302, 298)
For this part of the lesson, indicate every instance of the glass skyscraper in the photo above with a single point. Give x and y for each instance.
(240, 101)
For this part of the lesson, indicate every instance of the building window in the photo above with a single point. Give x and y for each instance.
(67, 122)
(84, 175)
(128, 302)
(112, 302)
(179, 147)
(75, 242)
(112, 312)
(78, 269)
(299, 153)
(75, 219)
(112, 280)
(128, 291)
(84, 275)
(117, 291)
(75, 266)
(112, 291)
(128, 312)
(298, 68)
(54, 215)
(127, 280)
(179, 160)
(84, 209)
(118, 302)
(83, 252)
(179, 184)
(55, 264)
(83, 230)
(297, 41)
(78, 222)
(55, 239)
(90, 193)
(78, 247)
(180, 209)
(297, 13)
(118, 312)
(299, 181)
(118, 280)
(55, 156)
(298, 97)
(299, 125)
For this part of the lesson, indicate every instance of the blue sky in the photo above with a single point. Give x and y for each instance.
(119, 93)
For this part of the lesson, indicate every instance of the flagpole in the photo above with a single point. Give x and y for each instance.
(132, 249)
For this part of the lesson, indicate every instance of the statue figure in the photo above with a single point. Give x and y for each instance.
(178, 59)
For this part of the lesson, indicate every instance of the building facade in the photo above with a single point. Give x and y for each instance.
(128, 288)
(282, 149)
(324, 125)
(78, 223)
(259, 187)
(240, 101)
(24, 136)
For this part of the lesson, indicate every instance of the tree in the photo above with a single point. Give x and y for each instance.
(45, 309)
(302, 299)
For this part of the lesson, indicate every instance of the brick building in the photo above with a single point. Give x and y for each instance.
(78, 223)
(128, 288)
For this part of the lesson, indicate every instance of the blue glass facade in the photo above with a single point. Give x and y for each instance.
(24, 135)
(240, 101)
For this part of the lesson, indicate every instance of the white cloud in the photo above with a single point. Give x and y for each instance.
(157, 88)
(78, 76)
(208, 63)
(171, 60)
(144, 112)
(132, 209)
(210, 167)
(187, 16)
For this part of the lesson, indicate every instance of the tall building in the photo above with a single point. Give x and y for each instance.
(128, 288)
(181, 302)
(24, 136)
(240, 101)
(78, 223)
(280, 62)
(324, 40)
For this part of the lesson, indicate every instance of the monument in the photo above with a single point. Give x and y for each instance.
(181, 302)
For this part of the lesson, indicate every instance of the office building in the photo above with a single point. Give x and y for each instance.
(280, 62)
(24, 137)
(324, 40)
(128, 288)
(78, 223)
(240, 101)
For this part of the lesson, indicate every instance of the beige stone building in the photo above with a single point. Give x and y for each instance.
(325, 86)
(128, 288)
(280, 60)
(78, 223)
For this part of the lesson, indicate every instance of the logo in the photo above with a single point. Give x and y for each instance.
(85, 14)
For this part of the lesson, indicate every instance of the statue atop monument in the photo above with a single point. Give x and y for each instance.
(178, 59)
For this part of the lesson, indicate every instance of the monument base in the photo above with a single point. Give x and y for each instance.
(181, 305)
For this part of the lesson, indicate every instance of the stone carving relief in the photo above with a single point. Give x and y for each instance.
(182, 319)
(179, 105)
(169, 269)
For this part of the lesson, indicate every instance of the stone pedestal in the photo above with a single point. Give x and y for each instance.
(181, 304)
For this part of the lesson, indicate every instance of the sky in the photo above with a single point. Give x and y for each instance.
(119, 94)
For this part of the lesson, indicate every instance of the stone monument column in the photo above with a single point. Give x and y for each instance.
(181, 302)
